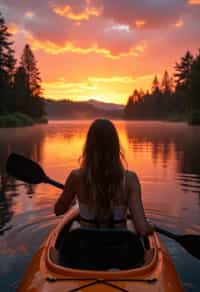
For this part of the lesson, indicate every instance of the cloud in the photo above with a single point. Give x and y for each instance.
(113, 79)
(62, 89)
(112, 28)
(179, 23)
(140, 23)
(54, 48)
(194, 2)
(67, 11)
(146, 13)
(29, 14)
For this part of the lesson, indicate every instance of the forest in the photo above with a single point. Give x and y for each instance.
(174, 97)
(21, 102)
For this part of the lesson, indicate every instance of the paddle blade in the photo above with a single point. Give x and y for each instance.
(25, 169)
(191, 243)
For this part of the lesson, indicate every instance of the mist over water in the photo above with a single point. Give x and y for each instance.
(165, 156)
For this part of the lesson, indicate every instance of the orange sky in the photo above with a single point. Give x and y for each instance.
(103, 49)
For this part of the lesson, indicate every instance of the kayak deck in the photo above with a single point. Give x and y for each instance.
(157, 273)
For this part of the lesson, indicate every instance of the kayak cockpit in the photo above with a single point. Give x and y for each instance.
(100, 249)
(95, 249)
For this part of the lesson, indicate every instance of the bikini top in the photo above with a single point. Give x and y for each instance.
(119, 213)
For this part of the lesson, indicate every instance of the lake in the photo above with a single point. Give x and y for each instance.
(166, 157)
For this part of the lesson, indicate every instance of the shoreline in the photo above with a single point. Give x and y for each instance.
(18, 119)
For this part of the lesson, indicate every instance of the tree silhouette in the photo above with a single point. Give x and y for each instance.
(28, 62)
(157, 99)
(166, 83)
(7, 65)
(182, 78)
(129, 108)
(28, 83)
(155, 85)
(183, 70)
(194, 85)
(21, 86)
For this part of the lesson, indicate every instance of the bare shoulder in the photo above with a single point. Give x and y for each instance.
(76, 172)
(131, 176)
(75, 175)
(132, 179)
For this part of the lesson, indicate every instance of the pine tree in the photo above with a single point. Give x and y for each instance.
(35, 104)
(141, 94)
(7, 65)
(183, 70)
(157, 99)
(21, 87)
(194, 85)
(167, 92)
(182, 80)
(136, 96)
(29, 63)
(155, 85)
(129, 108)
(166, 83)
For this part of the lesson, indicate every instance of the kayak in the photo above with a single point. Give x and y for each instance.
(75, 258)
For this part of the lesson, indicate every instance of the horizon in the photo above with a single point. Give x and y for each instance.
(85, 100)
(128, 45)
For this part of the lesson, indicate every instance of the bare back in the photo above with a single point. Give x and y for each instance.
(130, 194)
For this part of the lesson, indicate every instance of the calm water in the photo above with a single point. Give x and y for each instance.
(166, 157)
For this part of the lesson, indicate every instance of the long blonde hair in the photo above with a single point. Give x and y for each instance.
(102, 167)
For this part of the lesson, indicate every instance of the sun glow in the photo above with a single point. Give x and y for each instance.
(112, 89)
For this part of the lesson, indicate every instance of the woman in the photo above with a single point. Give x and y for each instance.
(105, 190)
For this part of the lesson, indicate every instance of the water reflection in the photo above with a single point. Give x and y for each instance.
(156, 138)
(164, 155)
(164, 140)
(28, 142)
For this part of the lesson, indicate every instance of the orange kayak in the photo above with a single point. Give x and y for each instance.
(67, 262)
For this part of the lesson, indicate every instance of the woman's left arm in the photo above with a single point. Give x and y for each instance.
(65, 200)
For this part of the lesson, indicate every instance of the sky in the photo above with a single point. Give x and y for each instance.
(103, 49)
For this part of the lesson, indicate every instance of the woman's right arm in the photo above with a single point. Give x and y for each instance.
(136, 208)
(65, 200)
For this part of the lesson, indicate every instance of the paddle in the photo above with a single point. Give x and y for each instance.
(190, 242)
(29, 171)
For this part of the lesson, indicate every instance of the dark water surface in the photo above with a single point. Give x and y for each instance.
(166, 157)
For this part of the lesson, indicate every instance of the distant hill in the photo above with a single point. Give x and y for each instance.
(66, 109)
(105, 105)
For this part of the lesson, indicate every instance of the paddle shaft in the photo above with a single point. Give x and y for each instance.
(167, 233)
(54, 183)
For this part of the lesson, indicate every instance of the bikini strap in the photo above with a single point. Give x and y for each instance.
(98, 223)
